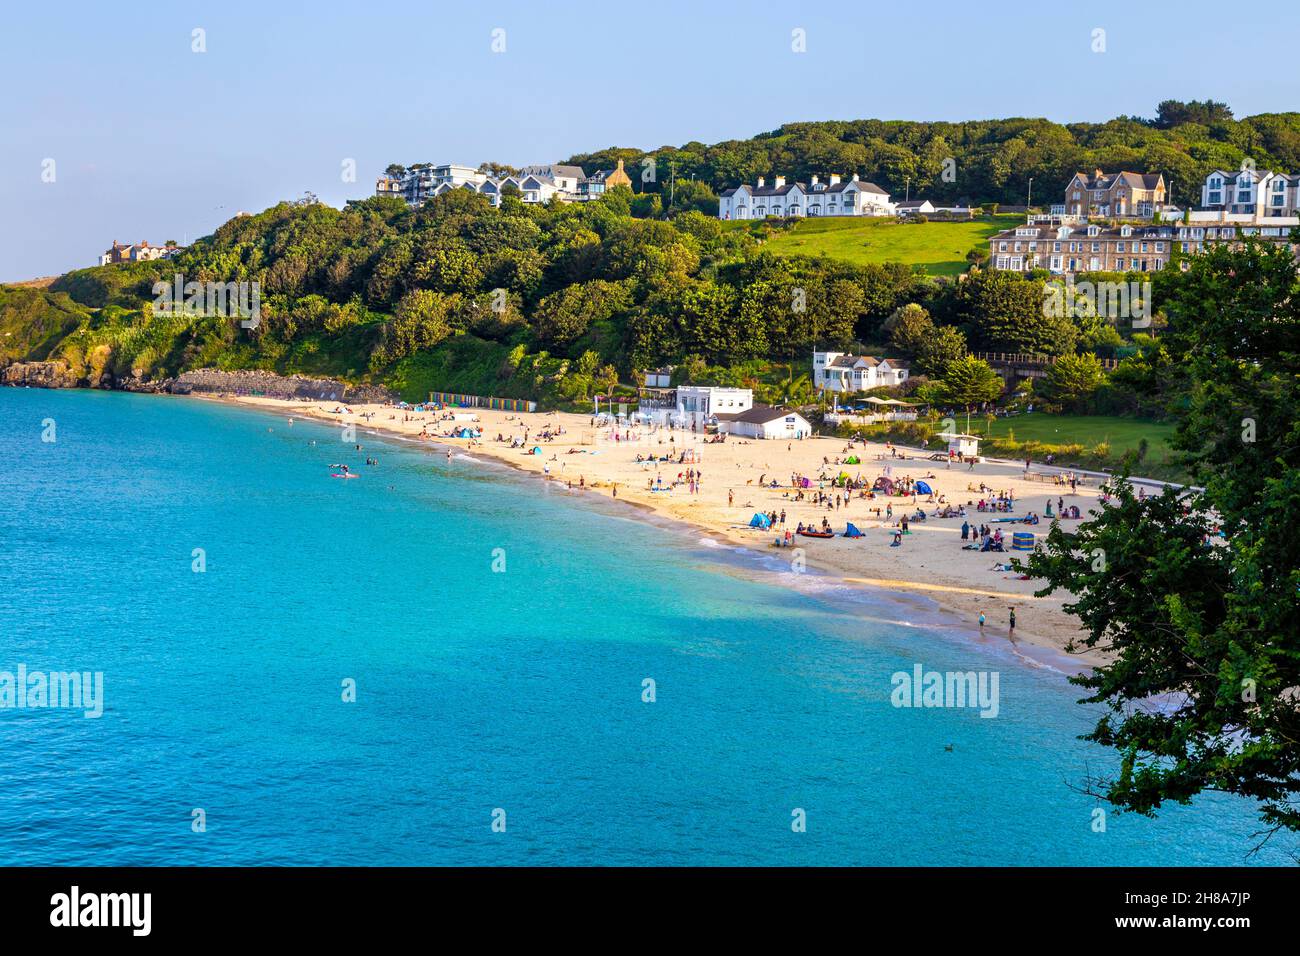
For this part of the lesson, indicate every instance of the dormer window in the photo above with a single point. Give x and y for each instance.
(1126, 231)
(1094, 230)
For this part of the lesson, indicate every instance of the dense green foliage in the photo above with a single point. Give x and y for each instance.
(991, 160)
(1195, 594)
(545, 301)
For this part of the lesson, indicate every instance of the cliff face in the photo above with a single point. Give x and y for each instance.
(205, 381)
(54, 374)
(212, 381)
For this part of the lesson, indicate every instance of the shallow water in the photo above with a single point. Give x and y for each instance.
(477, 690)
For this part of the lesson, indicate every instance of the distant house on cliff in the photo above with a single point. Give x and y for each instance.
(141, 252)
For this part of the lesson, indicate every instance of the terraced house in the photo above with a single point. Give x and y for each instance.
(1122, 195)
(1068, 249)
(835, 197)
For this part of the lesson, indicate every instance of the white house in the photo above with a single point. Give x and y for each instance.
(765, 421)
(959, 444)
(835, 197)
(840, 372)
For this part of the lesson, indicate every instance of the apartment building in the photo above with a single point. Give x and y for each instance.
(1251, 192)
(536, 184)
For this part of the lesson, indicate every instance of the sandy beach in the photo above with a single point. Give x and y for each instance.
(733, 483)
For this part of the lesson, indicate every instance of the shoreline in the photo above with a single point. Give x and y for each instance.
(956, 585)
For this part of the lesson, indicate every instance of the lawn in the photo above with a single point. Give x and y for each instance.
(1087, 430)
(938, 247)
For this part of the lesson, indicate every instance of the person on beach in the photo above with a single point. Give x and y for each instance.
(1011, 629)
(982, 622)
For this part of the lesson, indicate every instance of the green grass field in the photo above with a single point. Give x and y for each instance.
(1087, 430)
(938, 247)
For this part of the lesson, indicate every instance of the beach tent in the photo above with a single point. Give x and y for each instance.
(537, 450)
(853, 460)
(467, 433)
(760, 521)
(923, 489)
(852, 531)
(1022, 541)
(884, 484)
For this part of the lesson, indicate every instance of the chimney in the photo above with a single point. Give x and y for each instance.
(1097, 174)
(760, 182)
(835, 179)
(779, 182)
(855, 177)
(814, 180)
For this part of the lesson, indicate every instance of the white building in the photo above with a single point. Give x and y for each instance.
(1257, 193)
(765, 421)
(697, 404)
(855, 197)
(841, 372)
(914, 207)
(536, 184)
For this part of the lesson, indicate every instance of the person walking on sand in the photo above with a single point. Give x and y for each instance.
(982, 619)
(730, 497)
(1011, 629)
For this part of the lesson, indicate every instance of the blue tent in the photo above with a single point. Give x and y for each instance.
(923, 489)
(852, 531)
(760, 521)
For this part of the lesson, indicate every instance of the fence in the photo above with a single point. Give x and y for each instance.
(479, 401)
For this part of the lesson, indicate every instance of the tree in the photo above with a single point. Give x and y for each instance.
(1171, 113)
(1193, 594)
(909, 327)
(1072, 379)
(1006, 313)
(944, 346)
(970, 381)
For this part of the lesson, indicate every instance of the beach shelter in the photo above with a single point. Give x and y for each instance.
(853, 460)
(537, 450)
(1022, 541)
(851, 531)
(760, 521)
(923, 489)
(884, 484)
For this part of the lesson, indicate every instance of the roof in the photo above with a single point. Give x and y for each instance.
(914, 203)
(1132, 180)
(773, 190)
(760, 415)
(554, 169)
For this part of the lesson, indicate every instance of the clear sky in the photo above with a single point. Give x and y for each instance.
(153, 141)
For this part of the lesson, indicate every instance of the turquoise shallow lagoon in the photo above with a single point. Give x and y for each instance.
(479, 690)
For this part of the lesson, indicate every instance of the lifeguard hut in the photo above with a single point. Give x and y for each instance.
(967, 446)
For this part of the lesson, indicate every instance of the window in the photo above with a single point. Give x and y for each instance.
(1096, 247)
(1119, 246)
(1119, 264)
(1002, 262)
(1056, 263)
(1216, 198)
(1056, 247)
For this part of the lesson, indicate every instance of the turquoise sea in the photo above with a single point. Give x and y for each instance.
(478, 690)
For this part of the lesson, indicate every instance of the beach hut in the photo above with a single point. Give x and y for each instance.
(959, 444)
(760, 521)
(1022, 541)
(923, 489)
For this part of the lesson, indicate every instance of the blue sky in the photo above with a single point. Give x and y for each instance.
(153, 141)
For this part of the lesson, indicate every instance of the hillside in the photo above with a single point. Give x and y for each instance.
(939, 248)
(988, 160)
